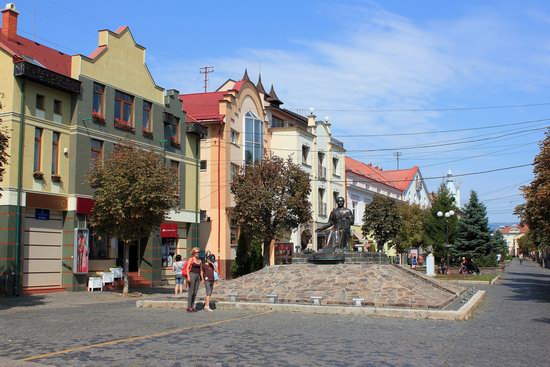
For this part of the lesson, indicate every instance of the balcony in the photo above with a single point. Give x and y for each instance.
(38, 74)
(322, 173)
(323, 209)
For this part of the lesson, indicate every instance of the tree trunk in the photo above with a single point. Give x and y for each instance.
(266, 252)
(126, 263)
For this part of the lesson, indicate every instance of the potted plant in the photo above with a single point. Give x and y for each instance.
(98, 117)
(174, 142)
(147, 133)
(123, 125)
(56, 178)
(38, 175)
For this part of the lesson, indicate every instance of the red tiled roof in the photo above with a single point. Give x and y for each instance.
(508, 229)
(367, 171)
(401, 178)
(51, 59)
(397, 179)
(202, 106)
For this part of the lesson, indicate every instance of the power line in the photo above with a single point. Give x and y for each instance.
(430, 109)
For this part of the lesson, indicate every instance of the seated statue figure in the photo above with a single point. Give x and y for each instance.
(340, 220)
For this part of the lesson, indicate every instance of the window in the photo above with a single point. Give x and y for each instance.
(40, 102)
(203, 165)
(147, 107)
(99, 246)
(234, 171)
(234, 137)
(322, 204)
(335, 195)
(322, 171)
(97, 150)
(254, 135)
(175, 132)
(233, 232)
(335, 162)
(354, 210)
(40, 106)
(305, 154)
(37, 149)
(168, 250)
(277, 122)
(55, 153)
(57, 111)
(124, 105)
(99, 94)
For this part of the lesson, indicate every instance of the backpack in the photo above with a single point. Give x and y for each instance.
(184, 270)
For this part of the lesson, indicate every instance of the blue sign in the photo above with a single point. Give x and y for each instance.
(42, 214)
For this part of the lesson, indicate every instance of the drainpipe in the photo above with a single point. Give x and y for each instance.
(219, 192)
(19, 189)
(197, 220)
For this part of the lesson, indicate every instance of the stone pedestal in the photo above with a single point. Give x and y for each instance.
(430, 265)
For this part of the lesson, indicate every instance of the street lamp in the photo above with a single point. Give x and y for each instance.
(447, 215)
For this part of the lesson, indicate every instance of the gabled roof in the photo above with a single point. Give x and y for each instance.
(401, 178)
(202, 106)
(367, 171)
(514, 229)
(38, 54)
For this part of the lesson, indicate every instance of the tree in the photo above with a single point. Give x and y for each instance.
(526, 244)
(411, 233)
(4, 142)
(383, 219)
(473, 235)
(535, 212)
(134, 191)
(271, 198)
(435, 227)
(242, 263)
(499, 244)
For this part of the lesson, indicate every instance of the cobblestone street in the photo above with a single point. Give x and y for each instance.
(511, 328)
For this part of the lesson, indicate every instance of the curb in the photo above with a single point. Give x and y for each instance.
(4, 362)
(495, 279)
(432, 281)
(464, 313)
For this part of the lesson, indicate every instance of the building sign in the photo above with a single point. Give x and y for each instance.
(84, 205)
(81, 251)
(42, 214)
(52, 202)
(169, 230)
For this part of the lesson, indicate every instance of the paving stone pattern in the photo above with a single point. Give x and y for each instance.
(378, 285)
(511, 328)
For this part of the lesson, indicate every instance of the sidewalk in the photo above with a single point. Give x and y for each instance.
(74, 299)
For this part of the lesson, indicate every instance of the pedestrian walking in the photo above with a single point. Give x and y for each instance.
(177, 267)
(208, 274)
(193, 278)
(413, 262)
(521, 258)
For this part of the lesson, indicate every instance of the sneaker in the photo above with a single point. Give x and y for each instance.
(189, 309)
(208, 309)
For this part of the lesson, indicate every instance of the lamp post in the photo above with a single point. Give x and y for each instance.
(447, 215)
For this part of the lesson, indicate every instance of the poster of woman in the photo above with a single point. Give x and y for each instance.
(81, 251)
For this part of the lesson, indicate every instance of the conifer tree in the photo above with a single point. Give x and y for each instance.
(435, 227)
(473, 234)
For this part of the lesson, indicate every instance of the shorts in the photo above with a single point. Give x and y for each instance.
(179, 279)
(209, 287)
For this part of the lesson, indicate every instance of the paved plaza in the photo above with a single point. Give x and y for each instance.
(378, 285)
(511, 328)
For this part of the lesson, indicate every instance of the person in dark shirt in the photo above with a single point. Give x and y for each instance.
(207, 272)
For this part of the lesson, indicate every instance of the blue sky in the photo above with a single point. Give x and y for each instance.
(353, 61)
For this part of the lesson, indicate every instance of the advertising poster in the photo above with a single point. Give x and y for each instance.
(81, 251)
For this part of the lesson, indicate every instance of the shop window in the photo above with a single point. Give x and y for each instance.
(168, 250)
(99, 247)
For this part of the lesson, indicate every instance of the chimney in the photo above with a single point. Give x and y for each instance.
(9, 22)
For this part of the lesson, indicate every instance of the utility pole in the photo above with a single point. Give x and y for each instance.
(206, 70)
(397, 155)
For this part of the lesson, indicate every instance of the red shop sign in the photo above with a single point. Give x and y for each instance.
(169, 230)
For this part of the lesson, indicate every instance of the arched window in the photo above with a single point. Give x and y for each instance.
(254, 137)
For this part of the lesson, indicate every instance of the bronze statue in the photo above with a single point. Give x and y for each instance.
(340, 220)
